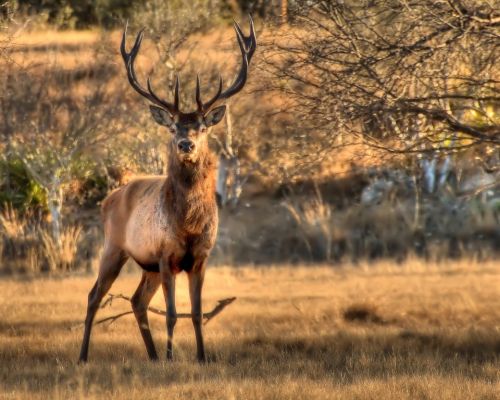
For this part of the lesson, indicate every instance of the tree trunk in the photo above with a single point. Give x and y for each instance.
(429, 167)
(284, 12)
(221, 185)
(55, 200)
(237, 182)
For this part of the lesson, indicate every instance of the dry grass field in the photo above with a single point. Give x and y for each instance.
(383, 331)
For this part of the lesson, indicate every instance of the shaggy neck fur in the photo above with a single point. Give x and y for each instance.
(190, 193)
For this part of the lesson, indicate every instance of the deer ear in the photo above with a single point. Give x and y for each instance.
(215, 116)
(161, 116)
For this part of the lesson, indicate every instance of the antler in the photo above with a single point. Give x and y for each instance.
(149, 94)
(247, 44)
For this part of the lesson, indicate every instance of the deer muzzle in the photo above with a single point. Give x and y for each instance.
(185, 146)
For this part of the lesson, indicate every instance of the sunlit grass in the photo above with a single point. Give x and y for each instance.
(436, 335)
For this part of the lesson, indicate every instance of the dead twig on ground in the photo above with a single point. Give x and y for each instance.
(221, 304)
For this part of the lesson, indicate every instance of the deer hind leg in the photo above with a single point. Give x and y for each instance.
(140, 300)
(111, 264)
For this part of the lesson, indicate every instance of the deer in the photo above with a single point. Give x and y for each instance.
(167, 224)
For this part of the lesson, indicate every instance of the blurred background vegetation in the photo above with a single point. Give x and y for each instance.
(367, 129)
(84, 14)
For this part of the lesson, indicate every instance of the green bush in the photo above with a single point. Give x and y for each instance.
(18, 188)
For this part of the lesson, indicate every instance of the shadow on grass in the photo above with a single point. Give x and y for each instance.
(41, 329)
(342, 357)
(340, 349)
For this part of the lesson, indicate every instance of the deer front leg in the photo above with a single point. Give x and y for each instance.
(168, 284)
(196, 277)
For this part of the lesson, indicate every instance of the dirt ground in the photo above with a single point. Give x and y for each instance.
(381, 331)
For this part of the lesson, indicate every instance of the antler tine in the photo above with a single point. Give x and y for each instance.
(153, 94)
(247, 46)
(176, 93)
(123, 51)
(253, 38)
(204, 107)
(250, 41)
(129, 58)
(241, 78)
(198, 94)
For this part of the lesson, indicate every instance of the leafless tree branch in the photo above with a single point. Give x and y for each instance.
(413, 76)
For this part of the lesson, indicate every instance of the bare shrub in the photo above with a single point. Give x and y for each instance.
(313, 218)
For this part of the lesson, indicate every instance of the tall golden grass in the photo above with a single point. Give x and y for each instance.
(61, 254)
(27, 245)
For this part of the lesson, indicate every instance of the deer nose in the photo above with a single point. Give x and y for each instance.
(186, 146)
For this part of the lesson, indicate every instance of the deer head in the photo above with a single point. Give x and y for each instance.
(190, 129)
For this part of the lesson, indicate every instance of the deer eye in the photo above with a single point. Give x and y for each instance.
(203, 129)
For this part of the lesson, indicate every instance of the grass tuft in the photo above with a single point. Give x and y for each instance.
(362, 312)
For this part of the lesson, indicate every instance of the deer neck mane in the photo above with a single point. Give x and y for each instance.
(189, 176)
(189, 193)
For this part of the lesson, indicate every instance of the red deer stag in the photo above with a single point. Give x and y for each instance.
(167, 224)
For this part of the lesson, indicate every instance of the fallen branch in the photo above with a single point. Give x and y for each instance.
(221, 304)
